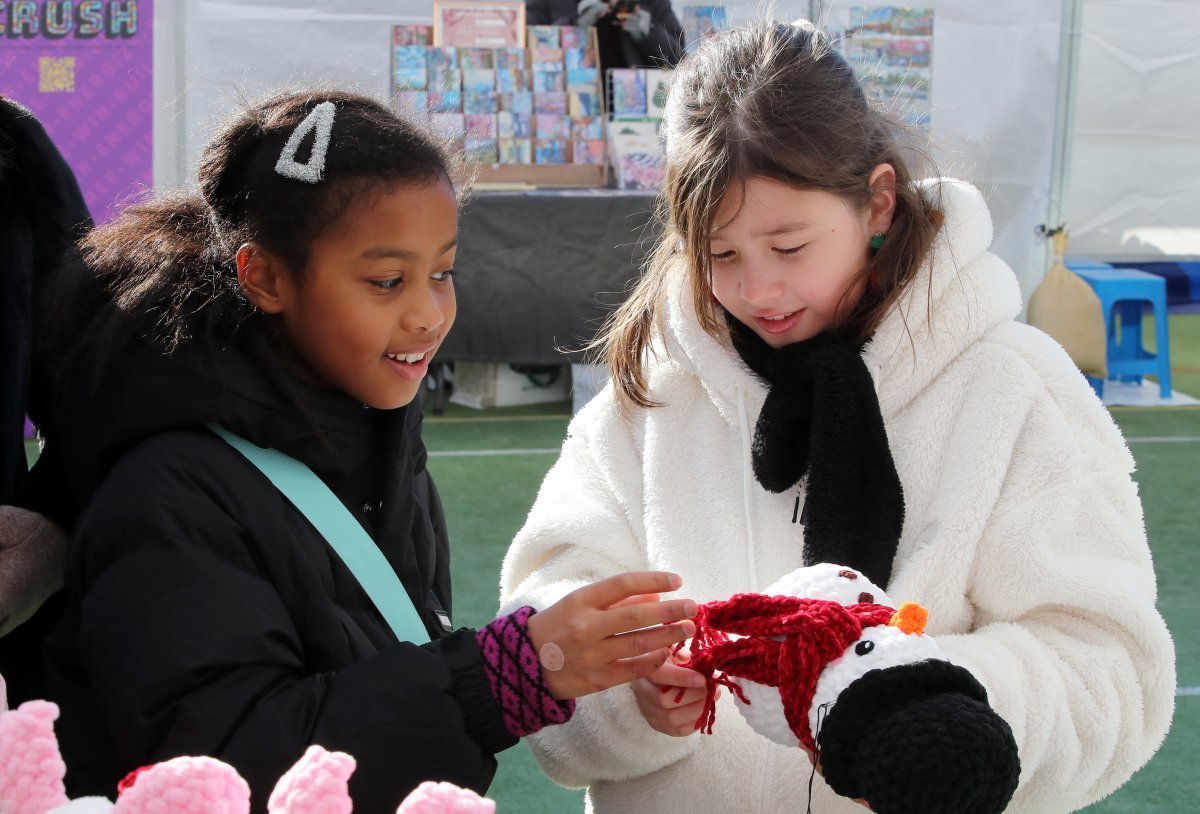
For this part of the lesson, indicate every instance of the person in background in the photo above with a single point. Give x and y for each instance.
(42, 214)
(641, 34)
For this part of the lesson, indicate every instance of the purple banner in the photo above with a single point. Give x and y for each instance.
(86, 70)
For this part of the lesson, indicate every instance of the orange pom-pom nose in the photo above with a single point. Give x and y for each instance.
(910, 618)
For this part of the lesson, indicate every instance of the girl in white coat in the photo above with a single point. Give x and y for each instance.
(821, 363)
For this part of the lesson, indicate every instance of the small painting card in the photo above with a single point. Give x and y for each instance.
(550, 151)
(473, 59)
(515, 151)
(547, 76)
(478, 80)
(506, 59)
(584, 104)
(570, 36)
(551, 126)
(412, 35)
(481, 151)
(543, 36)
(511, 80)
(587, 152)
(480, 127)
(587, 129)
(441, 59)
(628, 92)
(409, 70)
(519, 102)
(476, 103)
(658, 87)
(513, 125)
(445, 101)
(551, 102)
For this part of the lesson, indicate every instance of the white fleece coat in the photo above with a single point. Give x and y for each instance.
(1023, 537)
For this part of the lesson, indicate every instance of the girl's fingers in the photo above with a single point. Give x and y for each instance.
(635, 643)
(623, 671)
(680, 697)
(685, 717)
(611, 590)
(671, 675)
(634, 600)
(639, 615)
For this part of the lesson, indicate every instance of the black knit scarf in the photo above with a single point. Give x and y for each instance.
(821, 419)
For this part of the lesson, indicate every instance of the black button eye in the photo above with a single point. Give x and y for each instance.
(864, 647)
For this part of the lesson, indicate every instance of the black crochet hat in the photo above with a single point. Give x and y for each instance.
(919, 738)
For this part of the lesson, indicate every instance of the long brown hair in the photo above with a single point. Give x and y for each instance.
(778, 102)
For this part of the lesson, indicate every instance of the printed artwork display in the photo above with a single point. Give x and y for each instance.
(506, 104)
(891, 51)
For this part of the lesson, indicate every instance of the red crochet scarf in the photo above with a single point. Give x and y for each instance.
(788, 642)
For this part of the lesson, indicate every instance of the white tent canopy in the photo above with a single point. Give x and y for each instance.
(1134, 187)
(994, 91)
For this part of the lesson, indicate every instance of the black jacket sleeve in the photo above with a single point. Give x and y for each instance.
(197, 636)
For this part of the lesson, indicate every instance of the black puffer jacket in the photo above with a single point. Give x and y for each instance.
(42, 214)
(207, 617)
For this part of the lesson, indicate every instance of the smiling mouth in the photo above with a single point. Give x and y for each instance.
(408, 358)
(779, 318)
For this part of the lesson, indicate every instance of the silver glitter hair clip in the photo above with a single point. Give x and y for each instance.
(320, 119)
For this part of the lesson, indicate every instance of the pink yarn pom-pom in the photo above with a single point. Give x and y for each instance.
(317, 784)
(186, 785)
(444, 798)
(31, 767)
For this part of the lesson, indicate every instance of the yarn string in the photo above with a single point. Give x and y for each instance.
(822, 711)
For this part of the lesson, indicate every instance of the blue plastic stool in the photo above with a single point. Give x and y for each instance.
(1122, 293)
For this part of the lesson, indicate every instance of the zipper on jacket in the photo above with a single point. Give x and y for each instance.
(747, 489)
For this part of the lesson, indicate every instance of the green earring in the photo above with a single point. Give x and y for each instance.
(876, 241)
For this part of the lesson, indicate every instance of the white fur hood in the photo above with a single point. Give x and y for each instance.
(964, 289)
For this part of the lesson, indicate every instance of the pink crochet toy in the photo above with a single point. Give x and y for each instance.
(32, 772)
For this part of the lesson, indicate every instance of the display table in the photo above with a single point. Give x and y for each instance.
(538, 271)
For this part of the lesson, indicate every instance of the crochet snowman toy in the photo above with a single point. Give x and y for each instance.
(32, 773)
(823, 660)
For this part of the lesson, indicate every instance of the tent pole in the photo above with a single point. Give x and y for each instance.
(1064, 122)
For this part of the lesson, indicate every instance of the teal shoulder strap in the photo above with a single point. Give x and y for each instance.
(345, 535)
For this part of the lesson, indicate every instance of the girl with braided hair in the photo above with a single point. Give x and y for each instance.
(821, 363)
(213, 350)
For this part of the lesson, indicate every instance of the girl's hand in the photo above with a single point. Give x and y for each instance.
(604, 634)
(671, 699)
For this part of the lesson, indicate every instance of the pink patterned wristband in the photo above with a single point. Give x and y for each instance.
(513, 671)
